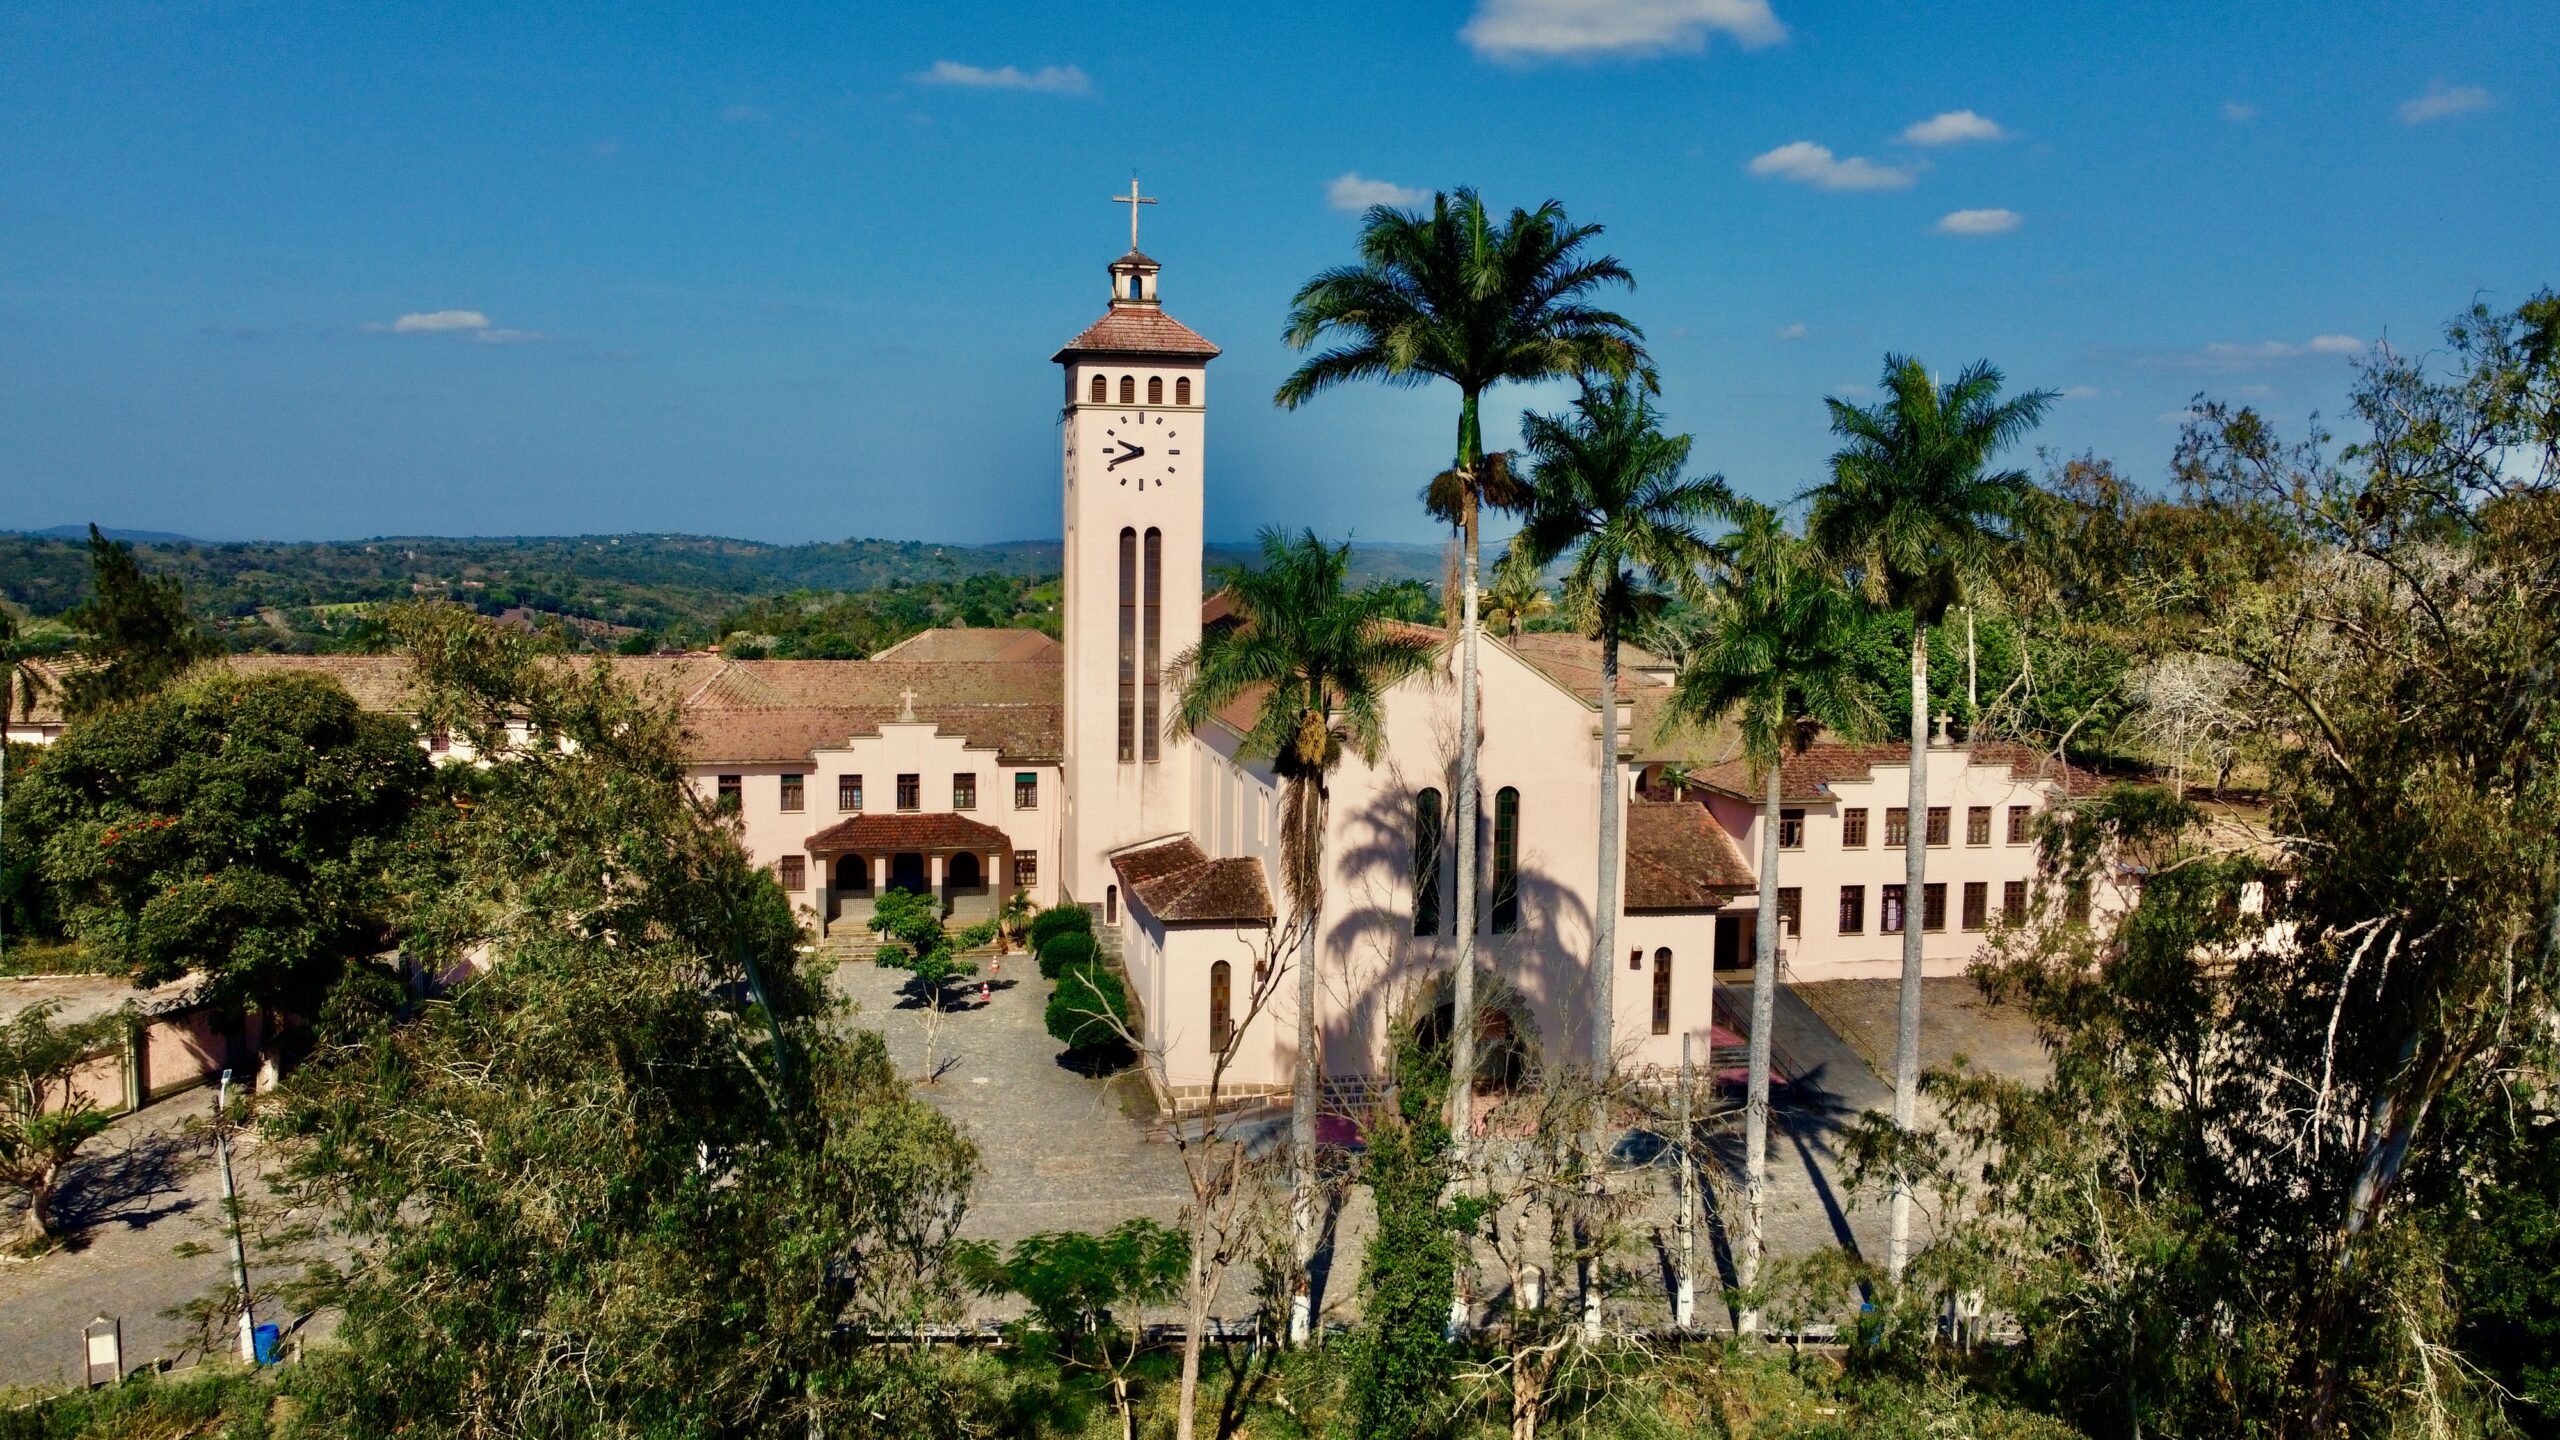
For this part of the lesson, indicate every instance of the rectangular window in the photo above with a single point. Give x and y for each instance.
(1635, 959)
(1026, 790)
(1977, 825)
(1790, 829)
(439, 742)
(1426, 863)
(733, 793)
(964, 791)
(1897, 827)
(794, 872)
(1933, 906)
(2018, 823)
(1853, 828)
(1661, 992)
(2013, 902)
(848, 792)
(1977, 905)
(1853, 909)
(1891, 909)
(1790, 910)
(795, 793)
(1506, 860)
(2075, 903)
(1026, 869)
(1937, 825)
(910, 792)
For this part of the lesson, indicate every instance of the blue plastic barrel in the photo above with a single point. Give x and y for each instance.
(262, 1343)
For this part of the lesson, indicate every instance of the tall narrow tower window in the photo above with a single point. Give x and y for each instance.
(1182, 390)
(1426, 863)
(1128, 677)
(1128, 389)
(1153, 662)
(1506, 860)
(1100, 393)
(1155, 389)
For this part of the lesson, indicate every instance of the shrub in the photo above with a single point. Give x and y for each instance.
(1081, 1014)
(1065, 953)
(1059, 920)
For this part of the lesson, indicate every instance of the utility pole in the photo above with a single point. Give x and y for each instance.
(1684, 1306)
(231, 1215)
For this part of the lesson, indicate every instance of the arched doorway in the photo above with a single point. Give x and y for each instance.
(1506, 1037)
(850, 876)
(965, 872)
(906, 872)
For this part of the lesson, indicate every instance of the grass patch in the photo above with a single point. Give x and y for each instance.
(209, 1402)
(52, 957)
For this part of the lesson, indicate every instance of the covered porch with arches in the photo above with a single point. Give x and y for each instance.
(966, 862)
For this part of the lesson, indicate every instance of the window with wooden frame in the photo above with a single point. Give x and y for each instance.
(1182, 390)
(1506, 860)
(1221, 1024)
(1937, 825)
(1790, 910)
(795, 793)
(1853, 909)
(1977, 825)
(1026, 869)
(848, 792)
(1853, 828)
(1026, 790)
(1791, 829)
(1426, 863)
(1897, 827)
(2019, 818)
(964, 790)
(733, 793)
(2013, 901)
(1977, 904)
(911, 792)
(1890, 911)
(793, 872)
(1933, 905)
(1662, 992)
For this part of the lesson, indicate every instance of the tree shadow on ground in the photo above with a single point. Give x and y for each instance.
(134, 1184)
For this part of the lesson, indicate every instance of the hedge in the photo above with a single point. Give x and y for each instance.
(1074, 1007)
(1065, 951)
(1059, 920)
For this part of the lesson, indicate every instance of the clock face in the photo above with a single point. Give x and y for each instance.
(1144, 447)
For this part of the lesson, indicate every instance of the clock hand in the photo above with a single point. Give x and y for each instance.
(1128, 452)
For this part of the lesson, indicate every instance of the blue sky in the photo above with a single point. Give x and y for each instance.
(795, 271)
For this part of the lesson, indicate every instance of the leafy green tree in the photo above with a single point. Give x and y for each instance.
(1463, 295)
(1517, 596)
(247, 827)
(636, 1178)
(1918, 519)
(919, 943)
(1083, 1291)
(1089, 1009)
(22, 684)
(135, 626)
(1059, 920)
(1065, 952)
(1778, 662)
(1321, 659)
(43, 1119)
(1401, 1359)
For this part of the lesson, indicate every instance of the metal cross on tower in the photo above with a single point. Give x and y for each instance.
(1133, 200)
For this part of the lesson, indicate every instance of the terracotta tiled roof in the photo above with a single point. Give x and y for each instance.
(52, 671)
(895, 831)
(1137, 330)
(1809, 775)
(1178, 882)
(775, 711)
(1573, 661)
(1679, 858)
(960, 644)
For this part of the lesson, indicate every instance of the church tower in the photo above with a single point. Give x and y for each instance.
(1135, 450)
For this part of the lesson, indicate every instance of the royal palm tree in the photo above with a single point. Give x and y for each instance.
(1457, 294)
(1915, 516)
(1516, 595)
(1316, 661)
(1777, 659)
(1606, 487)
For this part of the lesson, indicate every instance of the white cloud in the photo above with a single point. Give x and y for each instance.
(1795, 331)
(2237, 113)
(1978, 222)
(1582, 29)
(2225, 357)
(431, 322)
(1954, 127)
(2442, 100)
(2081, 392)
(1351, 190)
(2334, 345)
(1048, 79)
(1809, 164)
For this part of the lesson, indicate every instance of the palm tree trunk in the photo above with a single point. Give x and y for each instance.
(1915, 909)
(1305, 815)
(1604, 951)
(1462, 983)
(1764, 1011)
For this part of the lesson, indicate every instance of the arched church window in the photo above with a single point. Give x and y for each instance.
(1101, 391)
(1111, 904)
(1182, 390)
(1221, 1025)
(1128, 676)
(1662, 992)
(1151, 675)
(1128, 389)
(1506, 860)
(1426, 863)
(1155, 389)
